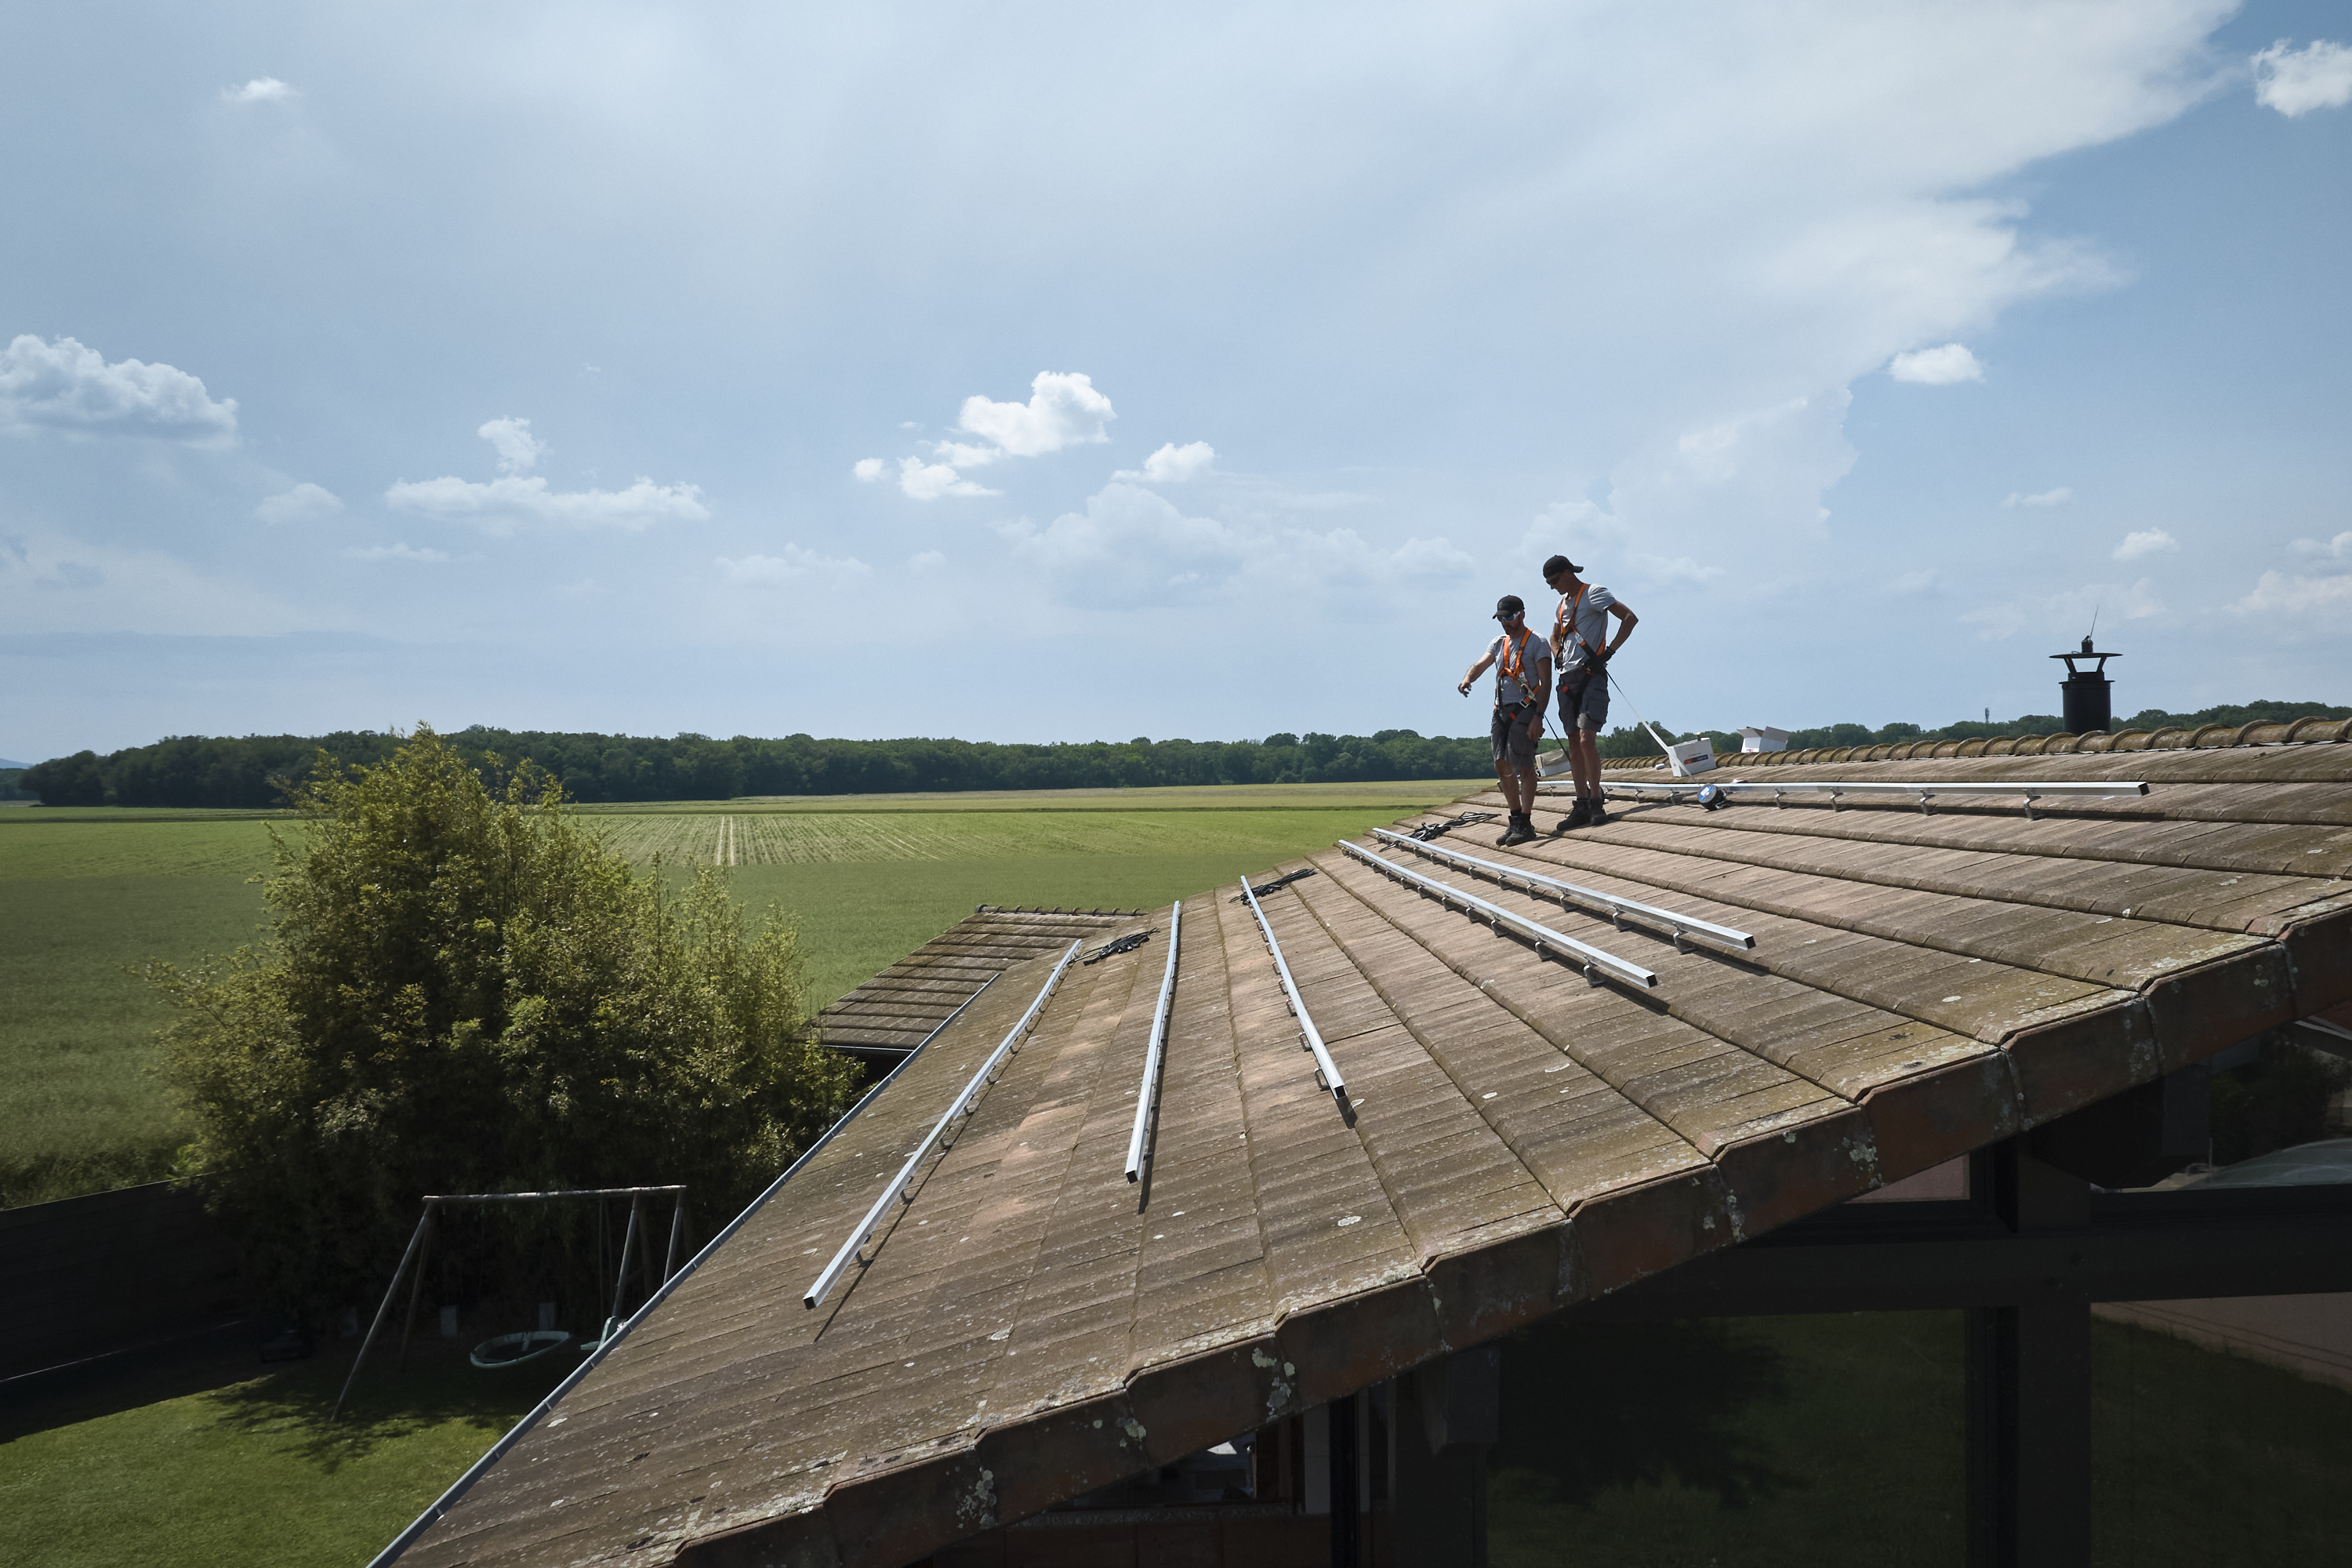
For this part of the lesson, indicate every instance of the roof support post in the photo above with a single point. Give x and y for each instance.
(2029, 1383)
(1446, 1412)
(1347, 1536)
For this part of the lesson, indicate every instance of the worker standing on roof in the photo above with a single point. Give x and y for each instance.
(1582, 652)
(1522, 664)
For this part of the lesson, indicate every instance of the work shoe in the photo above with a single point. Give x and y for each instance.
(1598, 815)
(1578, 815)
(1522, 829)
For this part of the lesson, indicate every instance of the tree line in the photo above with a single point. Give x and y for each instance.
(256, 771)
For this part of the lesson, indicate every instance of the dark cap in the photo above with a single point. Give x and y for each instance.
(1558, 565)
(1507, 606)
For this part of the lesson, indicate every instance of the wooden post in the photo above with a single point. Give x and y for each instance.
(416, 1285)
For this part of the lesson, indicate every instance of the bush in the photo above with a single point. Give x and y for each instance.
(464, 990)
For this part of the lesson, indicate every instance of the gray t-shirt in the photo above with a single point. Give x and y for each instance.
(1591, 625)
(1538, 653)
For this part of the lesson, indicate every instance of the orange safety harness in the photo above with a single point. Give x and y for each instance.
(1564, 626)
(1514, 667)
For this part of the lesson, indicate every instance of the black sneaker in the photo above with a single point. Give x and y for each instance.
(1578, 815)
(1522, 829)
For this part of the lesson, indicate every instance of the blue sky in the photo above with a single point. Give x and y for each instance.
(1045, 372)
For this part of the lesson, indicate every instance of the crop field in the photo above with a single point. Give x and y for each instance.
(89, 896)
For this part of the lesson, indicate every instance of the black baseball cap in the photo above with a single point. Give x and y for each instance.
(1558, 565)
(1508, 606)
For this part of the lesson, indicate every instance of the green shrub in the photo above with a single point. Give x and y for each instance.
(464, 990)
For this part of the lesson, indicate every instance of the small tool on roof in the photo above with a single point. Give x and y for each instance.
(1262, 889)
(1126, 944)
(1429, 830)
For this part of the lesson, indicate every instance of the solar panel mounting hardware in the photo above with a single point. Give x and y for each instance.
(2047, 789)
(1262, 889)
(1593, 961)
(961, 1105)
(1146, 1095)
(1126, 944)
(1429, 830)
(1325, 1070)
(1619, 910)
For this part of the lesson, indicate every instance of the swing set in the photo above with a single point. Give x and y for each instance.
(508, 1349)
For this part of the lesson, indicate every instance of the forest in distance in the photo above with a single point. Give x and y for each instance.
(252, 772)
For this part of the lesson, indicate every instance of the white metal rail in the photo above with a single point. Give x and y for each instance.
(1146, 1095)
(1592, 960)
(961, 1105)
(1618, 909)
(1308, 1032)
(2050, 789)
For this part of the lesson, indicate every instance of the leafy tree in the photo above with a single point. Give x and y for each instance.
(464, 990)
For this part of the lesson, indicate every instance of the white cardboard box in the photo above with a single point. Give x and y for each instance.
(1692, 757)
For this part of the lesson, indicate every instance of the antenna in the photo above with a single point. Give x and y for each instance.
(2095, 625)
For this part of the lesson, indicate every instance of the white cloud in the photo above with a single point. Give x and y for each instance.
(1912, 583)
(518, 451)
(926, 561)
(512, 498)
(1946, 366)
(303, 503)
(1174, 465)
(1063, 410)
(2278, 594)
(2058, 496)
(962, 455)
(2146, 541)
(929, 481)
(2296, 81)
(54, 584)
(260, 89)
(505, 502)
(795, 564)
(2337, 549)
(63, 386)
(395, 552)
(868, 469)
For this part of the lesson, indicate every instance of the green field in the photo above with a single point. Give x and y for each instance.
(86, 895)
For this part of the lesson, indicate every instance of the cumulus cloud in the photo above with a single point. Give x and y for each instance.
(2278, 594)
(2146, 542)
(1174, 465)
(1063, 410)
(303, 503)
(1946, 366)
(793, 565)
(926, 561)
(868, 469)
(395, 552)
(2058, 496)
(63, 386)
(514, 498)
(2296, 81)
(518, 451)
(260, 89)
(929, 481)
(2337, 549)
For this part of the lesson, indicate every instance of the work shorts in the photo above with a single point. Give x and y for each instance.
(1583, 698)
(1513, 735)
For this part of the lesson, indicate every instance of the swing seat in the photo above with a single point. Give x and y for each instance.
(512, 1350)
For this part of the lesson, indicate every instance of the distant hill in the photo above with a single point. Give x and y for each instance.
(5, 765)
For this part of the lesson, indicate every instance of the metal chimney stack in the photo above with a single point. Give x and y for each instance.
(2087, 694)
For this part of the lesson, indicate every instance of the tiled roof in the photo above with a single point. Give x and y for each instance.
(2263, 733)
(1031, 1326)
(892, 1013)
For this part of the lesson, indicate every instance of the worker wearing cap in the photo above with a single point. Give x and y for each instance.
(1522, 662)
(1582, 651)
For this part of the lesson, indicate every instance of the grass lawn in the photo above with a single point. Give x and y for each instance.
(87, 894)
(208, 1459)
(1838, 1439)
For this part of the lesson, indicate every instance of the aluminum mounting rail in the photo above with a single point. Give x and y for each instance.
(1592, 960)
(1147, 1096)
(1324, 1065)
(961, 1105)
(1618, 909)
(2057, 789)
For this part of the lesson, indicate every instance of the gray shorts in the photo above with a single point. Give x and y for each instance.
(1583, 698)
(1511, 736)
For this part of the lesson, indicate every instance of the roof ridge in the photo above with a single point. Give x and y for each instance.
(2173, 738)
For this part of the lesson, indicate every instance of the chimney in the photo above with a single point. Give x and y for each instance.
(2087, 694)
